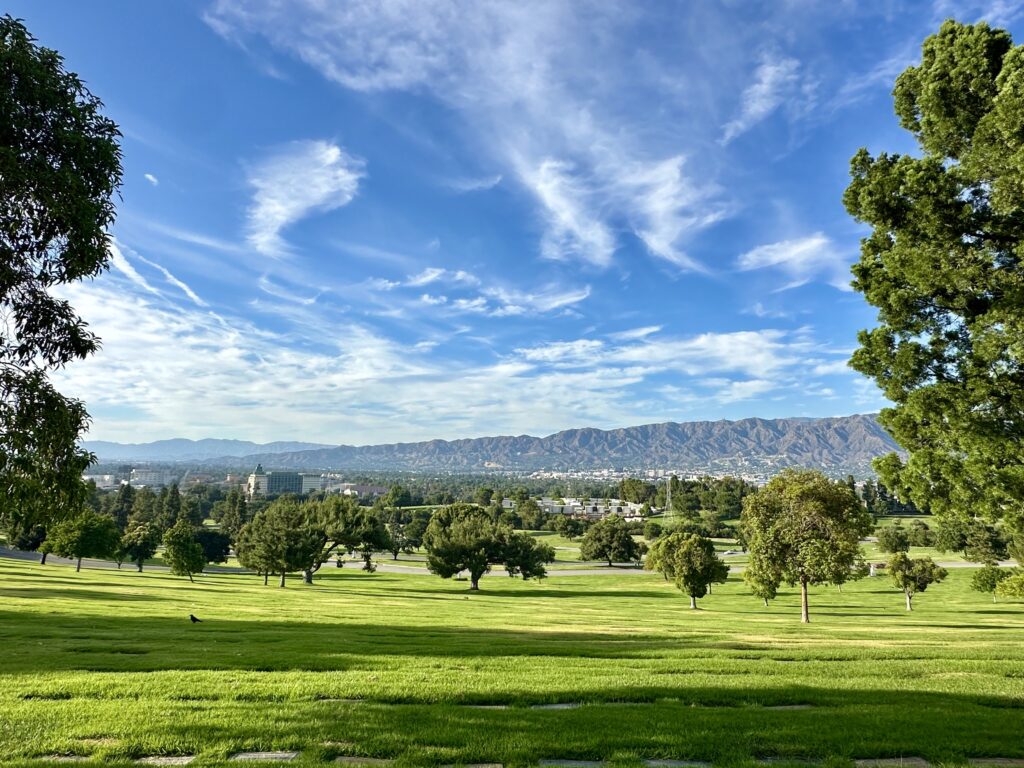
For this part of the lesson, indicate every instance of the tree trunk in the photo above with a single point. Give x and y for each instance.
(282, 579)
(78, 565)
(42, 559)
(709, 589)
(394, 555)
(139, 566)
(766, 602)
(190, 579)
(693, 602)
(266, 576)
(909, 598)
(474, 582)
(805, 615)
(119, 566)
(307, 576)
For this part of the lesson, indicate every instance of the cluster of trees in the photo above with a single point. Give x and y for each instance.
(690, 561)
(611, 539)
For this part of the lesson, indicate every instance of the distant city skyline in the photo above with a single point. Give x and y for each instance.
(366, 223)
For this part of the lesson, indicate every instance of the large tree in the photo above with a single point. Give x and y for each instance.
(89, 534)
(609, 539)
(690, 561)
(805, 529)
(60, 166)
(463, 537)
(139, 543)
(280, 540)
(943, 266)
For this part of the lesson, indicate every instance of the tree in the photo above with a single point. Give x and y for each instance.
(1012, 585)
(526, 556)
(533, 517)
(652, 530)
(170, 510)
(90, 534)
(398, 542)
(338, 522)
(893, 538)
(215, 544)
(483, 496)
(920, 535)
(609, 539)
(183, 553)
(462, 537)
(123, 502)
(280, 540)
(139, 543)
(803, 528)
(690, 561)
(943, 266)
(987, 578)
(60, 166)
(914, 575)
(569, 527)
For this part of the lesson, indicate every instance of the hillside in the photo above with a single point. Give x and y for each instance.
(839, 445)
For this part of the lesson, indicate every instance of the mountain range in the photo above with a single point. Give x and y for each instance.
(838, 445)
(179, 449)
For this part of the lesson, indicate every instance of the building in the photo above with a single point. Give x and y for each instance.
(263, 483)
(151, 477)
(592, 509)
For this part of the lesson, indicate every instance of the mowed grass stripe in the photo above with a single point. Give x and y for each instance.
(106, 663)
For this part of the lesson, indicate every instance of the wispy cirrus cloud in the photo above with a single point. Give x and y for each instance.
(775, 80)
(294, 181)
(530, 91)
(801, 260)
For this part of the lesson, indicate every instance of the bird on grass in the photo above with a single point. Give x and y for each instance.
(194, 620)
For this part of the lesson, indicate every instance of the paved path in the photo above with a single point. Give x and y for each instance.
(384, 566)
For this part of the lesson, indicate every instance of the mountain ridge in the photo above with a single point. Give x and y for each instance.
(840, 445)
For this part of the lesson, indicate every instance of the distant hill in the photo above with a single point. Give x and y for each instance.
(838, 445)
(183, 450)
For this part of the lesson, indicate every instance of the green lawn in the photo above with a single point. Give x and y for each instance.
(106, 663)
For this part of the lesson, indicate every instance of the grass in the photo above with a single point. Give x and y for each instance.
(106, 663)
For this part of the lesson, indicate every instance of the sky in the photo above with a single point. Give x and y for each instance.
(395, 220)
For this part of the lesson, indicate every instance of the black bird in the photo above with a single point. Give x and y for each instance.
(194, 620)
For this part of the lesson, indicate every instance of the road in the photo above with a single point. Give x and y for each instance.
(383, 566)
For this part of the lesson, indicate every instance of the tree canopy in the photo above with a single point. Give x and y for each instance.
(89, 534)
(688, 560)
(463, 537)
(943, 266)
(610, 539)
(60, 165)
(805, 529)
(914, 575)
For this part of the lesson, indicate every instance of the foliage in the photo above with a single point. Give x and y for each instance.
(525, 556)
(802, 528)
(215, 544)
(89, 534)
(60, 166)
(914, 575)
(609, 539)
(182, 551)
(1012, 585)
(652, 530)
(893, 538)
(463, 537)
(281, 540)
(943, 267)
(139, 542)
(690, 561)
(532, 516)
(986, 579)
(569, 527)
(920, 535)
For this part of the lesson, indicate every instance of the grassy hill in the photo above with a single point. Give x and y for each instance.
(106, 663)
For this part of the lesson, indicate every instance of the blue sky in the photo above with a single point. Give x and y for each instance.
(362, 222)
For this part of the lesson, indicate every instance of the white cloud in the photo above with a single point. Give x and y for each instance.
(474, 184)
(122, 265)
(184, 288)
(801, 260)
(151, 179)
(775, 80)
(635, 333)
(294, 181)
(532, 80)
